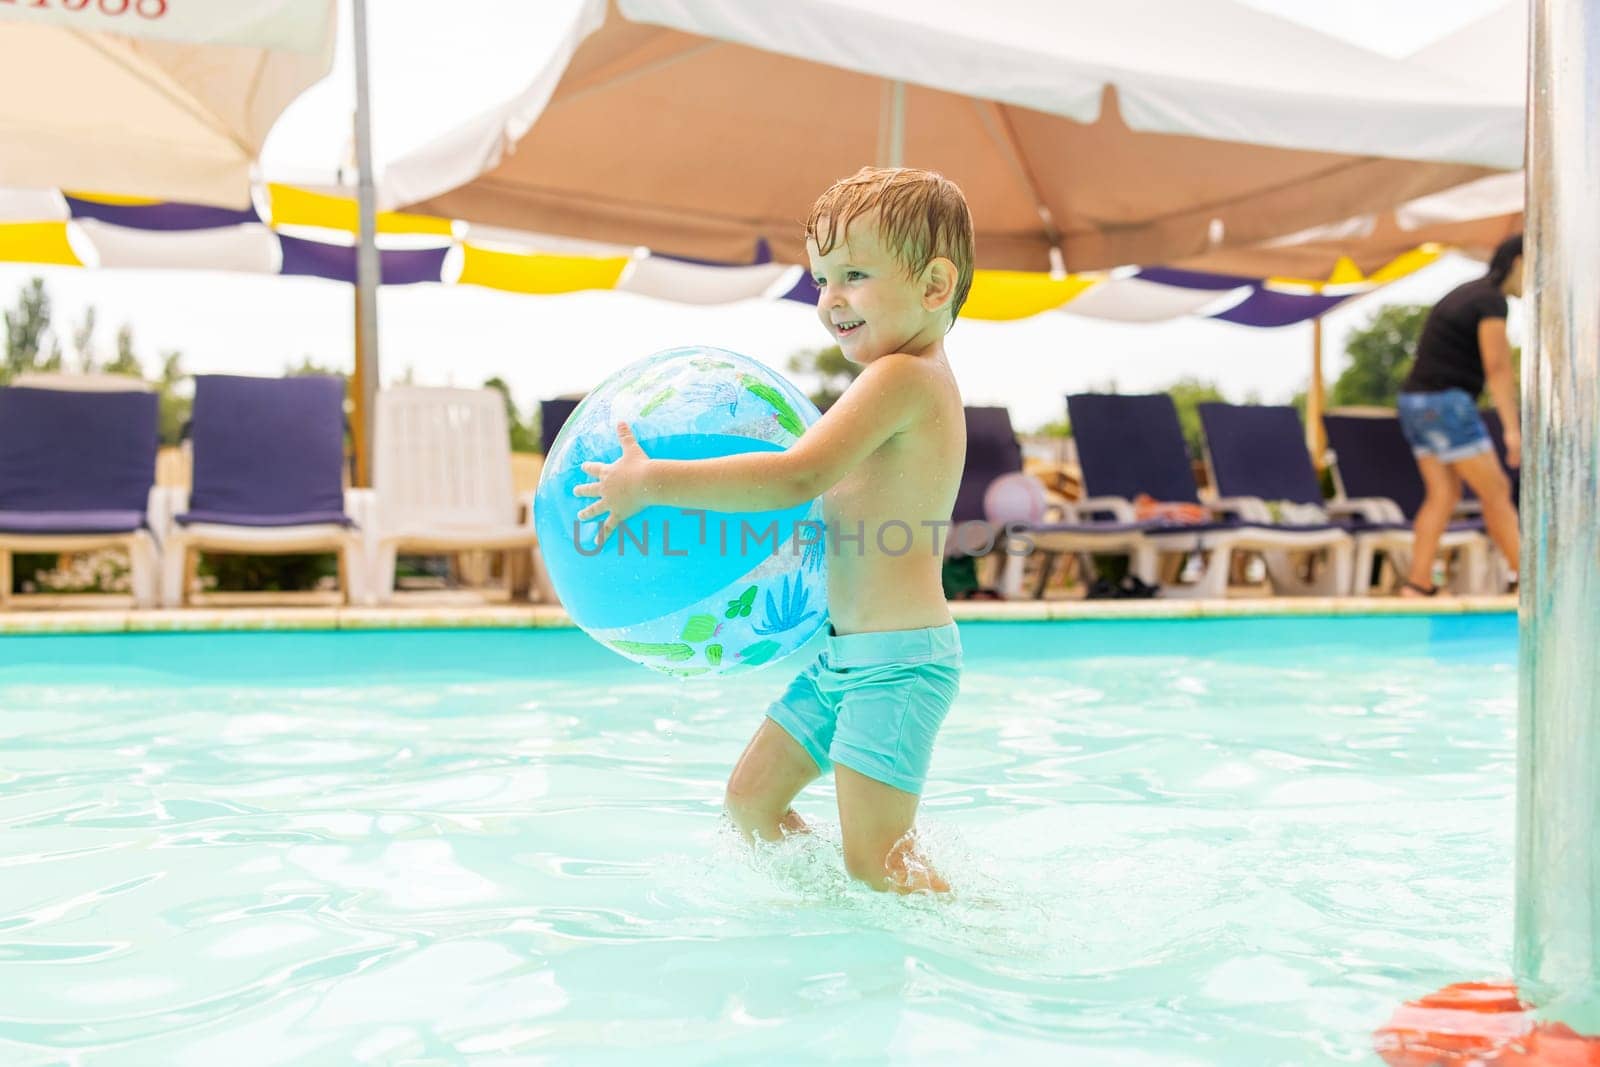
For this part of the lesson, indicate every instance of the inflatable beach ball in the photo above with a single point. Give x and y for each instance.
(686, 593)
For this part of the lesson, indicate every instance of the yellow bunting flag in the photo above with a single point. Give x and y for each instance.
(113, 199)
(301, 207)
(1409, 263)
(36, 242)
(1014, 294)
(1345, 272)
(522, 273)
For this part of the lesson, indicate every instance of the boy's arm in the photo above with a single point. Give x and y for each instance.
(879, 404)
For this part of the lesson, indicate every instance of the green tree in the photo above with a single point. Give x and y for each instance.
(831, 371)
(524, 434)
(176, 400)
(1187, 395)
(27, 330)
(83, 340)
(1380, 357)
(309, 367)
(126, 361)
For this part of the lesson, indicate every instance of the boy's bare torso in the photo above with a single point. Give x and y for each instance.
(901, 493)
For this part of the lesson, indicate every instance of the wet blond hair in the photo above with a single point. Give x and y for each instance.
(921, 216)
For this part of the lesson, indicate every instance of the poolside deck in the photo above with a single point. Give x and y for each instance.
(423, 611)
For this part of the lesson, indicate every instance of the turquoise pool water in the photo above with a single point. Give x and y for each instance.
(1235, 842)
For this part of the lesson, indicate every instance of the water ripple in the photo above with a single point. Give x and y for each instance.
(1181, 858)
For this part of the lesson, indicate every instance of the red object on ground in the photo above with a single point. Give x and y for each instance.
(1479, 1024)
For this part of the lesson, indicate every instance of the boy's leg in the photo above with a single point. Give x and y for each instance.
(879, 845)
(882, 747)
(770, 773)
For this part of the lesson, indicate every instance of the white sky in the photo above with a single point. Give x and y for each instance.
(548, 345)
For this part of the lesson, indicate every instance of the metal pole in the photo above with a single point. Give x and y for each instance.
(365, 383)
(892, 125)
(1557, 956)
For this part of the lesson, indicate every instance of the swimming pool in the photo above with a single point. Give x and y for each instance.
(1234, 842)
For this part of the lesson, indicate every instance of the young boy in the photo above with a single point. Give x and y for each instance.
(891, 253)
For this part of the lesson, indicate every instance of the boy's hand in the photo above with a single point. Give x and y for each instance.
(620, 486)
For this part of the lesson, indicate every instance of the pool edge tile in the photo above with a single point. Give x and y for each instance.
(212, 620)
(546, 617)
(64, 622)
(488, 616)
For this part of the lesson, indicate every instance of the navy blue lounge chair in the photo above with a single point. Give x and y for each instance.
(1262, 471)
(1258, 451)
(1131, 446)
(993, 454)
(553, 414)
(77, 471)
(268, 476)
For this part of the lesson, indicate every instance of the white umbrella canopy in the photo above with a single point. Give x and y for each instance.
(169, 99)
(1128, 132)
(1493, 53)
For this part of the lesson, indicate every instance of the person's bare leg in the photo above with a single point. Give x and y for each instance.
(880, 847)
(1443, 488)
(765, 781)
(1488, 479)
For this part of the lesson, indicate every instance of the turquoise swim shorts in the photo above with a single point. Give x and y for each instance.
(874, 702)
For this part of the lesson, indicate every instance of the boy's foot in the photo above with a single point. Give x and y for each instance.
(909, 871)
(1411, 590)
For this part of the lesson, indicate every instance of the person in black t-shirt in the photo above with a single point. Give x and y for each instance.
(1463, 346)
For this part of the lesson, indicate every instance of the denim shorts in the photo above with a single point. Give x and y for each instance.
(874, 702)
(1445, 425)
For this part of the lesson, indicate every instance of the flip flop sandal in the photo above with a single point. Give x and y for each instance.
(1135, 588)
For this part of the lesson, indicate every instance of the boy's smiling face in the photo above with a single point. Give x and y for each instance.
(866, 300)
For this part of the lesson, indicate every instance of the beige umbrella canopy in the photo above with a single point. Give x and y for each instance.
(1111, 133)
(1472, 218)
(156, 99)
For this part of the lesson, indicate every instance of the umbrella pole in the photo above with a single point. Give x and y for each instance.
(1316, 401)
(1557, 954)
(364, 383)
(892, 125)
